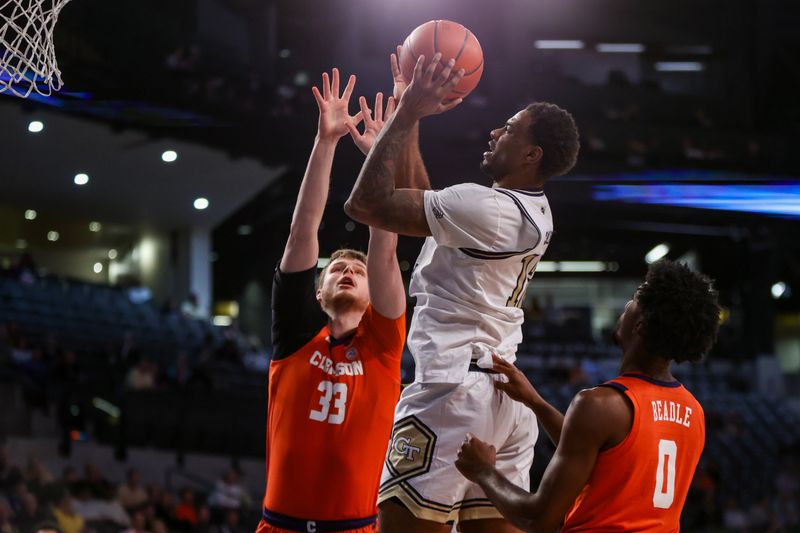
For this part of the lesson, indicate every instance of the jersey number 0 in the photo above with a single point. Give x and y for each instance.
(664, 493)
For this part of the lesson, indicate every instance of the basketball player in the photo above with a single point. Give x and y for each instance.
(626, 450)
(335, 371)
(482, 248)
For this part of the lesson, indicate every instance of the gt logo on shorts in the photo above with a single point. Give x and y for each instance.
(411, 450)
(402, 446)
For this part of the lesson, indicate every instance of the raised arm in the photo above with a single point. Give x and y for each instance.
(386, 290)
(412, 155)
(302, 247)
(375, 200)
(520, 389)
(596, 420)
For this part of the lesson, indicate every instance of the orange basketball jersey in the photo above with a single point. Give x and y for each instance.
(641, 483)
(329, 419)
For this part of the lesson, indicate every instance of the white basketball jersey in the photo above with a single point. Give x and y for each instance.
(471, 275)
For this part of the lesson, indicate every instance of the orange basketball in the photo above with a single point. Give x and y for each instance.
(452, 40)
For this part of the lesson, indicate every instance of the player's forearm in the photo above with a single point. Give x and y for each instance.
(551, 418)
(419, 175)
(313, 193)
(376, 181)
(514, 503)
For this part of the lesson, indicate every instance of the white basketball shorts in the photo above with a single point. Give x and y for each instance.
(430, 423)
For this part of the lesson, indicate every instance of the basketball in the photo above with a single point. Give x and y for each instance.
(453, 41)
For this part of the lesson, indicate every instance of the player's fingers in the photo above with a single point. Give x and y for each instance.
(395, 63)
(326, 86)
(348, 89)
(365, 112)
(447, 106)
(444, 75)
(351, 127)
(390, 105)
(317, 96)
(418, 68)
(379, 107)
(454, 80)
(501, 365)
(335, 83)
(429, 71)
(356, 119)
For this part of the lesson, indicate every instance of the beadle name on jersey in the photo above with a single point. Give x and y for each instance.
(666, 411)
(323, 362)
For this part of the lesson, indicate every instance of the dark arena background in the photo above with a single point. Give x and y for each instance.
(144, 207)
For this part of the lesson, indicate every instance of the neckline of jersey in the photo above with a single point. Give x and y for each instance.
(529, 192)
(671, 384)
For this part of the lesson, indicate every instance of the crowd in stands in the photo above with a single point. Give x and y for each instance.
(57, 380)
(33, 499)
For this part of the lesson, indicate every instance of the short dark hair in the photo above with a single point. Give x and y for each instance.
(680, 312)
(554, 130)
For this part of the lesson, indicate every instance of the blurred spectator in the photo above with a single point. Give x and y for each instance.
(30, 514)
(138, 523)
(143, 375)
(131, 494)
(734, 517)
(26, 271)
(186, 511)
(228, 493)
(191, 308)
(180, 372)
(98, 486)
(96, 508)
(5, 517)
(231, 524)
(68, 520)
(203, 524)
(37, 474)
(21, 351)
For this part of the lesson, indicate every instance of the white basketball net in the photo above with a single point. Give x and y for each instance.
(28, 61)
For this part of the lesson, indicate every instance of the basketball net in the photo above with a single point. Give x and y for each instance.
(28, 61)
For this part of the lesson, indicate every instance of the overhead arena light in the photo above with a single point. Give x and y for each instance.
(95, 226)
(169, 156)
(779, 290)
(620, 48)
(680, 66)
(30, 214)
(222, 320)
(81, 179)
(576, 266)
(35, 126)
(558, 45)
(201, 203)
(658, 251)
(322, 262)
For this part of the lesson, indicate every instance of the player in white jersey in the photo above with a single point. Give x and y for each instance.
(482, 248)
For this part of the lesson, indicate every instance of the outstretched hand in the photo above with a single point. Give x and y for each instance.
(334, 116)
(518, 387)
(372, 124)
(427, 92)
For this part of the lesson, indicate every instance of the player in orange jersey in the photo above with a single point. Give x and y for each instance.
(626, 450)
(334, 377)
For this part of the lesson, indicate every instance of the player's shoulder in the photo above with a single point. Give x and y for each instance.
(601, 403)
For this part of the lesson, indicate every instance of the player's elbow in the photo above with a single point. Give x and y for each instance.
(357, 210)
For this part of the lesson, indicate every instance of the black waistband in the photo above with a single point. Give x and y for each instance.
(314, 526)
(473, 367)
